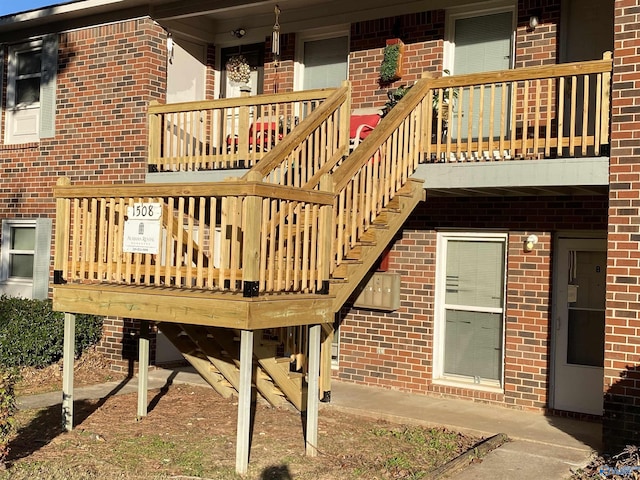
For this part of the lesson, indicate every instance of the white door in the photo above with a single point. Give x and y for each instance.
(481, 44)
(578, 330)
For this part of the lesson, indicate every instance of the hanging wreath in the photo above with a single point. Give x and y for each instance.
(238, 69)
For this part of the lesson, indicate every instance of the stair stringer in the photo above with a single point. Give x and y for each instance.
(378, 237)
(214, 353)
(203, 365)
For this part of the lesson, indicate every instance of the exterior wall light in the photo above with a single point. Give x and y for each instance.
(530, 242)
(534, 21)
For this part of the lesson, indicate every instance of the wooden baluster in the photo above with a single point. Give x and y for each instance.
(585, 114)
(605, 105)
(549, 118)
(572, 126)
(561, 93)
(536, 122)
(503, 120)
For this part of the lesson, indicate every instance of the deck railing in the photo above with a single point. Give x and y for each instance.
(246, 237)
(536, 112)
(314, 148)
(224, 133)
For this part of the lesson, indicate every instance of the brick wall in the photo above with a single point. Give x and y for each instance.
(395, 350)
(539, 46)
(422, 35)
(106, 77)
(278, 78)
(621, 422)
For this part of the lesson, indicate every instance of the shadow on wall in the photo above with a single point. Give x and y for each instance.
(621, 419)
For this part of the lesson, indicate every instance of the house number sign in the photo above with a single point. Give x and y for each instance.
(142, 228)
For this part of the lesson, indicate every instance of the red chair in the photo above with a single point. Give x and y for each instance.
(360, 127)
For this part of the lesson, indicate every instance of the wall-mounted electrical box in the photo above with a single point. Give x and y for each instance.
(381, 292)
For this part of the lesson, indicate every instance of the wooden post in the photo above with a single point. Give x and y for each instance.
(63, 222)
(244, 402)
(68, 355)
(327, 232)
(345, 118)
(325, 362)
(606, 104)
(155, 126)
(312, 397)
(143, 368)
(251, 241)
(244, 122)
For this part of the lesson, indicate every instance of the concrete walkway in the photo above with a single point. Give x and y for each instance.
(540, 448)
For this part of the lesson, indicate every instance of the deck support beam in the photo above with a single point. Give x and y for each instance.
(244, 402)
(312, 391)
(68, 355)
(143, 368)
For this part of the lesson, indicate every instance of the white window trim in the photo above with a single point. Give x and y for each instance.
(6, 251)
(439, 378)
(457, 13)
(11, 105)
(316, 34)
(38, 285)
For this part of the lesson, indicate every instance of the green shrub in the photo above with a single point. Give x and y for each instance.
(32, 334)
(8, 379)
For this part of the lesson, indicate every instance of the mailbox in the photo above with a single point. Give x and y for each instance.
(381, 292)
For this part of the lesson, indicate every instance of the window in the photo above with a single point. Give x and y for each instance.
(24, 257)
(31, 86)
(470, 308)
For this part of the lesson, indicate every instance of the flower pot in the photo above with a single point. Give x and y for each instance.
(391, 68)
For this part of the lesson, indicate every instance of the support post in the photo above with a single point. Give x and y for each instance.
(61, 245)
(68, 355)
(325, 362)
(143, 368)
(312, 397)
(244, 402)
(251, 248)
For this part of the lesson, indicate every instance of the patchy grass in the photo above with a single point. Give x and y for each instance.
(191, 433)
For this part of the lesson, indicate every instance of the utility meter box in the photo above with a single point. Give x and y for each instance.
(381, 292)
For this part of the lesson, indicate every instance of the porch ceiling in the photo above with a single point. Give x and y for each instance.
(572, 176)
(210, 20)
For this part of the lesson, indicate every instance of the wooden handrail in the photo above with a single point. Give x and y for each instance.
(522, 74)
(261, 99)
(370, 145)
(304, 130)
(231, 188)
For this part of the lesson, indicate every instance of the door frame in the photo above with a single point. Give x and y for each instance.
(457, 13)
(555, 307)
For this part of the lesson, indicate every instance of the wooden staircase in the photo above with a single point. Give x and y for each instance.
(272, 253)
(215, 354)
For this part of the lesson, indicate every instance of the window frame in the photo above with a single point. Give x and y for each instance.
(38, 285)
(440, 308)
(44, 110)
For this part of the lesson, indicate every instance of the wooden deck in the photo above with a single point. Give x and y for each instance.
(280, 250)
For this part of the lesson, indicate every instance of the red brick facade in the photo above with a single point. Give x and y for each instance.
(108, 74)
(395, 350)
(622, 348)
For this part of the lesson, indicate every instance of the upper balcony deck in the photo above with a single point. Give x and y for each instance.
(559, 114)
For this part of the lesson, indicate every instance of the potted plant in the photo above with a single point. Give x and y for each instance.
(449, 95)
(391, 66)
(394, 96)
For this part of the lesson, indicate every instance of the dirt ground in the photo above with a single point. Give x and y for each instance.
(190, 432)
